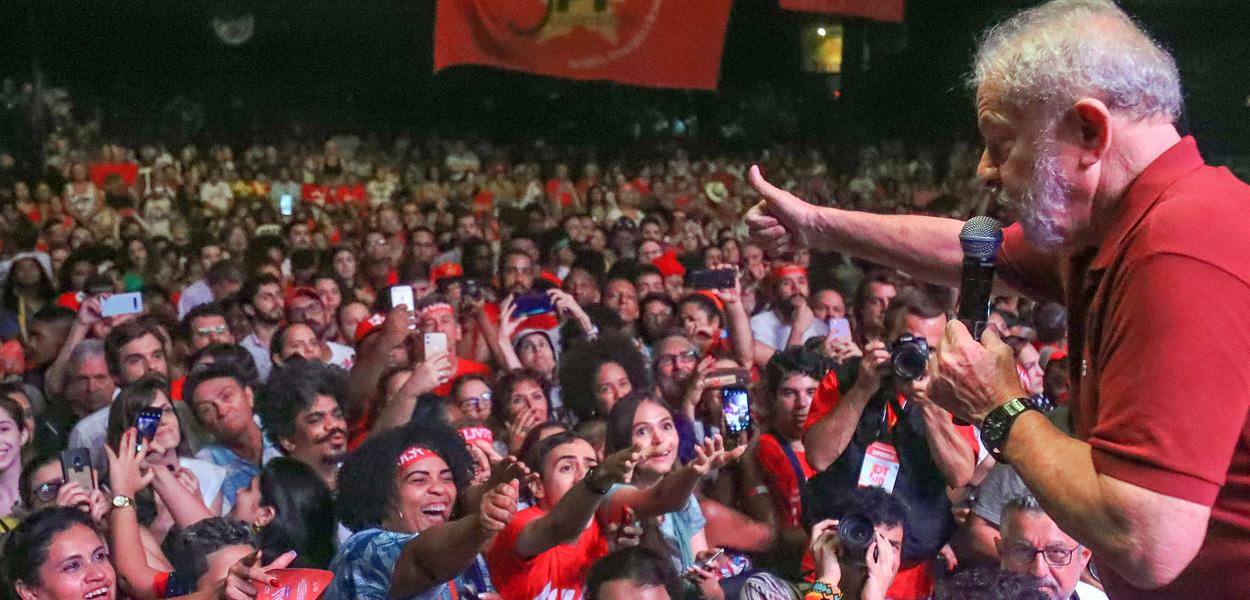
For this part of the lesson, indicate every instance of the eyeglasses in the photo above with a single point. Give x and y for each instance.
(217, 330)
(687, 357)
(47, 491)
(476, 401)
(1023, 555)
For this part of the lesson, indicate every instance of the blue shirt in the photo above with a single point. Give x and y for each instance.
(239, 472)
(364, 563)
(678, 528)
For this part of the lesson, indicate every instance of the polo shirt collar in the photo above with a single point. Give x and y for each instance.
(1176, 162)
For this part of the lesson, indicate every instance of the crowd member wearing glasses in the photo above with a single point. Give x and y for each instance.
(1032, 544)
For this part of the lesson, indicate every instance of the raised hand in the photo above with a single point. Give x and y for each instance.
(824, 549)
(617, 467)
(128, 472)
(711, 455)
(507, 324)
(781, 221)
(498, 507)
(434, 371)
(244, 579)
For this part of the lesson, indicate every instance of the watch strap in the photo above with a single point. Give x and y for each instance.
(997, 425)
(589, 480)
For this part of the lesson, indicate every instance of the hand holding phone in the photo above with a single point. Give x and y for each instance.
(736, 404)
(121, 304)
(76, 468)
(435, 343)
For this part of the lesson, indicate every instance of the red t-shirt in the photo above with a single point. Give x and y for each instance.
(557, 573)
(1159, 320)
(783, 486)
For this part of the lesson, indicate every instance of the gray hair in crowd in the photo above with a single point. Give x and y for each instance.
(84, 350)
(1024, 503)
(1055, 54)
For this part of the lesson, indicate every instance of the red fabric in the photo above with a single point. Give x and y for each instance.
(914, 581)
(877, 10)
(639, 42)
(1158, 321)
(71, 300)
(311, 192)
(160, 583)
(100, 171)
(175, 388)
(782, 484)
(464, 366)
(557, 573)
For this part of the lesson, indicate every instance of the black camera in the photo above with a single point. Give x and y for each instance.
(909, 357)
(855, 534)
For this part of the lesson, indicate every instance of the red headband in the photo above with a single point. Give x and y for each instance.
(787, 270)
(414, 454)
(433, 308)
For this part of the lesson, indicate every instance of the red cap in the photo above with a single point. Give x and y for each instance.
(302, 290)
(445, 271)
(668, 264)
(368, 326)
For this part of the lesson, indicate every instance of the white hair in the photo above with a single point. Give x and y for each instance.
(1057, 53)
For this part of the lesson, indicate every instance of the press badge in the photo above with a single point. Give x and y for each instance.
(880, 467)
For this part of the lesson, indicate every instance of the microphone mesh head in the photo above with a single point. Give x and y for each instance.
(981, 237)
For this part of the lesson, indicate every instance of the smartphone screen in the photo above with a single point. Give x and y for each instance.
(737, 407)
(839, 328)
(401, 295)
(121, 304)
(712, 279)
(76, 467)
(146, 423)
(532, 304)
(287, 205)
(435, 342)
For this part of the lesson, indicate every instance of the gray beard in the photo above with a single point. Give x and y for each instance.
(1044, 200)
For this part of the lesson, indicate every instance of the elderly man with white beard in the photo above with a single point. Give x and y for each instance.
(1120, 220)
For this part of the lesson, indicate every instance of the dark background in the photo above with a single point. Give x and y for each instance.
(366, 65)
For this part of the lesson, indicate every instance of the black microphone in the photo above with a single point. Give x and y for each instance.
(980, 239)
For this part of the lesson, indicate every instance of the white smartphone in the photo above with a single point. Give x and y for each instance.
(839, 328)
(435, 342)
(401, 295)
(121, 304)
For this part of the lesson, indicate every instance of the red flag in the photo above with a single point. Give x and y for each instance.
(655, 43)
(877, 10)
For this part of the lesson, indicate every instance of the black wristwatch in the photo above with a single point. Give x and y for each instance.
(997, 425)
(589, 480)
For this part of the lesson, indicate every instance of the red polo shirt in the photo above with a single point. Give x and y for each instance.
(1160, 320)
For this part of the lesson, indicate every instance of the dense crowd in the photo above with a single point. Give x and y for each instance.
(455, 369)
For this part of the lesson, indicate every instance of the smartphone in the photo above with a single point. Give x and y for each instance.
(435, 342)
(532, 304)
(710, 561)
(839, 328)
(470, 288)
(737, 407)
(712, 279)
(402, 295)
(727, 378)
(76, 468)
(121, 304)
(146, 423)
(286, 205)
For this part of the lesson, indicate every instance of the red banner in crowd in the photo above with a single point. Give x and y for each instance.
(877, 10)
(654, 43)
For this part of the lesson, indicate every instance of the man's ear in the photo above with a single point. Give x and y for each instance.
(536, 488)
(287, 445)
(1092, 120)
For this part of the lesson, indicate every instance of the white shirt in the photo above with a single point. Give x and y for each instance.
(90, 433)
(1085, 591)
(260, 356)
(194, 295)
(341, 356)
(768, 329)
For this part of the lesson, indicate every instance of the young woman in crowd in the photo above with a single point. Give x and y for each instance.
(290, 508)
(597, 374)
(521, 403)
(14, 434)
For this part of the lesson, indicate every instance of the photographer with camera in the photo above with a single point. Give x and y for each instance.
(885, 432)
(857, 555)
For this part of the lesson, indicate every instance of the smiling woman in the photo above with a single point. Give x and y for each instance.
(58, 554)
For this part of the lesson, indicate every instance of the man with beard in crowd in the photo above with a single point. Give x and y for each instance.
(790, 321)
(299, 408)
(262, 301)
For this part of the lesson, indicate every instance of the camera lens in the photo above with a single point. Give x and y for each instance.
(909, 357)
(855, 533)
